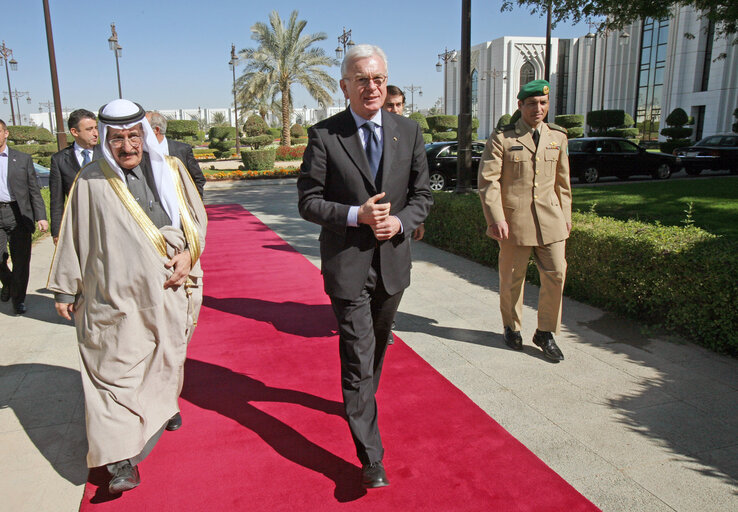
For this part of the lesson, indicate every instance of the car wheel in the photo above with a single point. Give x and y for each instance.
(437, 181)
(590, 175)
(662, 172)
(693, 172)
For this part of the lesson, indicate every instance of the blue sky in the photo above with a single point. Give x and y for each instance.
(175, 53)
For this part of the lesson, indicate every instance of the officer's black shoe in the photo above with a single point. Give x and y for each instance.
(174, 423)
(5, 294)
(545, 340)
(513, 339)
(125, 478)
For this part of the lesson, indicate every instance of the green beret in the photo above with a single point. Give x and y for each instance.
(534, 88)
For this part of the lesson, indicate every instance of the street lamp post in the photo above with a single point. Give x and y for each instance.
(345, 41)
(17, 95)
(6, 52)
(49, 106)
(447, 55)
(494, 73)
(232, 63)
(118, 51)
(412, 88)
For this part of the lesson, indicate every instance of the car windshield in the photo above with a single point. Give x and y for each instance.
(710, 141)
(580, 146)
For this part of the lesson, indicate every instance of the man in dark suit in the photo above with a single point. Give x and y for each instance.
(181, 150)
(364, 179)
(66, 163)
(21, 206)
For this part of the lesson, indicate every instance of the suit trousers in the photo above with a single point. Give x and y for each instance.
(14, 236)
(364, 326)
(513, 264)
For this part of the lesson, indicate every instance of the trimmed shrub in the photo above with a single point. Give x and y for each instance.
(680, 278)
(297, 131)
(575, 132)
(258, 141)
(475, 124)
(276, 133)
(258, 159)
(572, 123)
(604, 121)
(677, 134)
(504, 120)
(285, 153)
(178, 129)
(42, 135)
(222, 132)
(442, 123)
(427, 138)
(21, 134)
(254, 126)
(420, 119)
(221, 148)
(444, 136)
(43, 160)
(628, 133)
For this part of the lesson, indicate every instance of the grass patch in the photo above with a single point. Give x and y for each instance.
(45, 194)
(714, 203)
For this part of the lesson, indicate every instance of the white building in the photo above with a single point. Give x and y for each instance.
(649, 69)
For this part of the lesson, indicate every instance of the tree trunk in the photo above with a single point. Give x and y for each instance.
(285, 116)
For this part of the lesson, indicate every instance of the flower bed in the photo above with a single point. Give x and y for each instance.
(251, 175)
(285, 153)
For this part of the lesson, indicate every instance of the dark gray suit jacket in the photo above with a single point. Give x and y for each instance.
(23, 184)
(335, 175)
(183, 151)
(64, 169)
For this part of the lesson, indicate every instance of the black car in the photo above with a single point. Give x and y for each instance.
(442, 158)
(590, 158)
(715, 152)
(42, 175)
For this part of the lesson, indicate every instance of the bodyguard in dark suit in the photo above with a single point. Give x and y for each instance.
(364, 179)
(21, 207)
(181, 150)
(66, 163)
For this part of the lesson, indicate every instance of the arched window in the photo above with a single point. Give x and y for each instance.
(475, 93)
(527, 73)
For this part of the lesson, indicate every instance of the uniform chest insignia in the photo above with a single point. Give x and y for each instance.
(516, 148)
(554, 144)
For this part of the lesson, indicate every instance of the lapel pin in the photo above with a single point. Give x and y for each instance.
(394, 138)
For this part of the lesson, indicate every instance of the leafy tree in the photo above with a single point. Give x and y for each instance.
(297, 131)
(285, 57)
(219, 119)
(252, 96)
(617, 13)
(257, 132)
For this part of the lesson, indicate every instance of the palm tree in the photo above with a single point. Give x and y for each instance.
(263, 100)
(219, 118)
(284, 57)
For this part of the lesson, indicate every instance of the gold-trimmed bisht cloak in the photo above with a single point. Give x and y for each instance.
(132, 333)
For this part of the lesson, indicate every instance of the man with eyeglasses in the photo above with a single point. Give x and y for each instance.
(127, 268)
(364, 180)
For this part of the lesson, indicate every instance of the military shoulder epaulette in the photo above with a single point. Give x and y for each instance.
(505, 128)
(557, 127)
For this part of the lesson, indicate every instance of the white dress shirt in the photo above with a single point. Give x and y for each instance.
(5, 193)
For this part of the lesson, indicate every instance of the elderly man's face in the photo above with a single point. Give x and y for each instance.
(365, 85)
(126, 146)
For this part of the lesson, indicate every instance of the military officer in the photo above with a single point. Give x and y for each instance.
(526, 197)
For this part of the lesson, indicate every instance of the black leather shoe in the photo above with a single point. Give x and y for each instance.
(391, 339)
(126, 477)
(20, 308)
(174, 422)
(373, 475)
(545, 340)
(5, 294)
(513, 339)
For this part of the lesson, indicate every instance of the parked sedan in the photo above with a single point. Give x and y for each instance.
(442, 158)
(715, 152)
(591, 158)
(42, 175)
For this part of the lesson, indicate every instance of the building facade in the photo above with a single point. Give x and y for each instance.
(647, 69)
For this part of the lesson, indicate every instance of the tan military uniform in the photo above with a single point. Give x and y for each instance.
(529, 188)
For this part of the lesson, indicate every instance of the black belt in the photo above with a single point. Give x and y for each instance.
(11, 203)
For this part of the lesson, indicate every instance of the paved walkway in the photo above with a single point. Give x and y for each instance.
(634, 421)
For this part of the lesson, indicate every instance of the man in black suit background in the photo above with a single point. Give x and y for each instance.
(364, 180)
(66, 163)
(21, 207)
(181, 150)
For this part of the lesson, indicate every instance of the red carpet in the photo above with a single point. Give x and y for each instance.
(263, 426)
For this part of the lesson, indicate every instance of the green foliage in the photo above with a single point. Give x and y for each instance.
(178, 129)
(677, 117)
(420, 119)
(258, 160)
(259, 141)
(574, 132)
(222, 148)
(444, 136)
(275, 132)
(39, 150)
(475, 124)
(515, 117)
(569, 120)
(21, 134)
(42, 135)
(679, 277)
(504, 120)
(222, 133)
(677, 132)
(297, 131)
(603, 121)
(427, 138)
(442, 123)
(43, 160)
(628, 133)
(254, 126)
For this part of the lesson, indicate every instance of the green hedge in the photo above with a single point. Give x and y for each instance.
(37, 149)
(258, 159)
(420, 119)
(679, 278)
(427, 138)
(444, 136)
(442, 123)
(178, 129)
